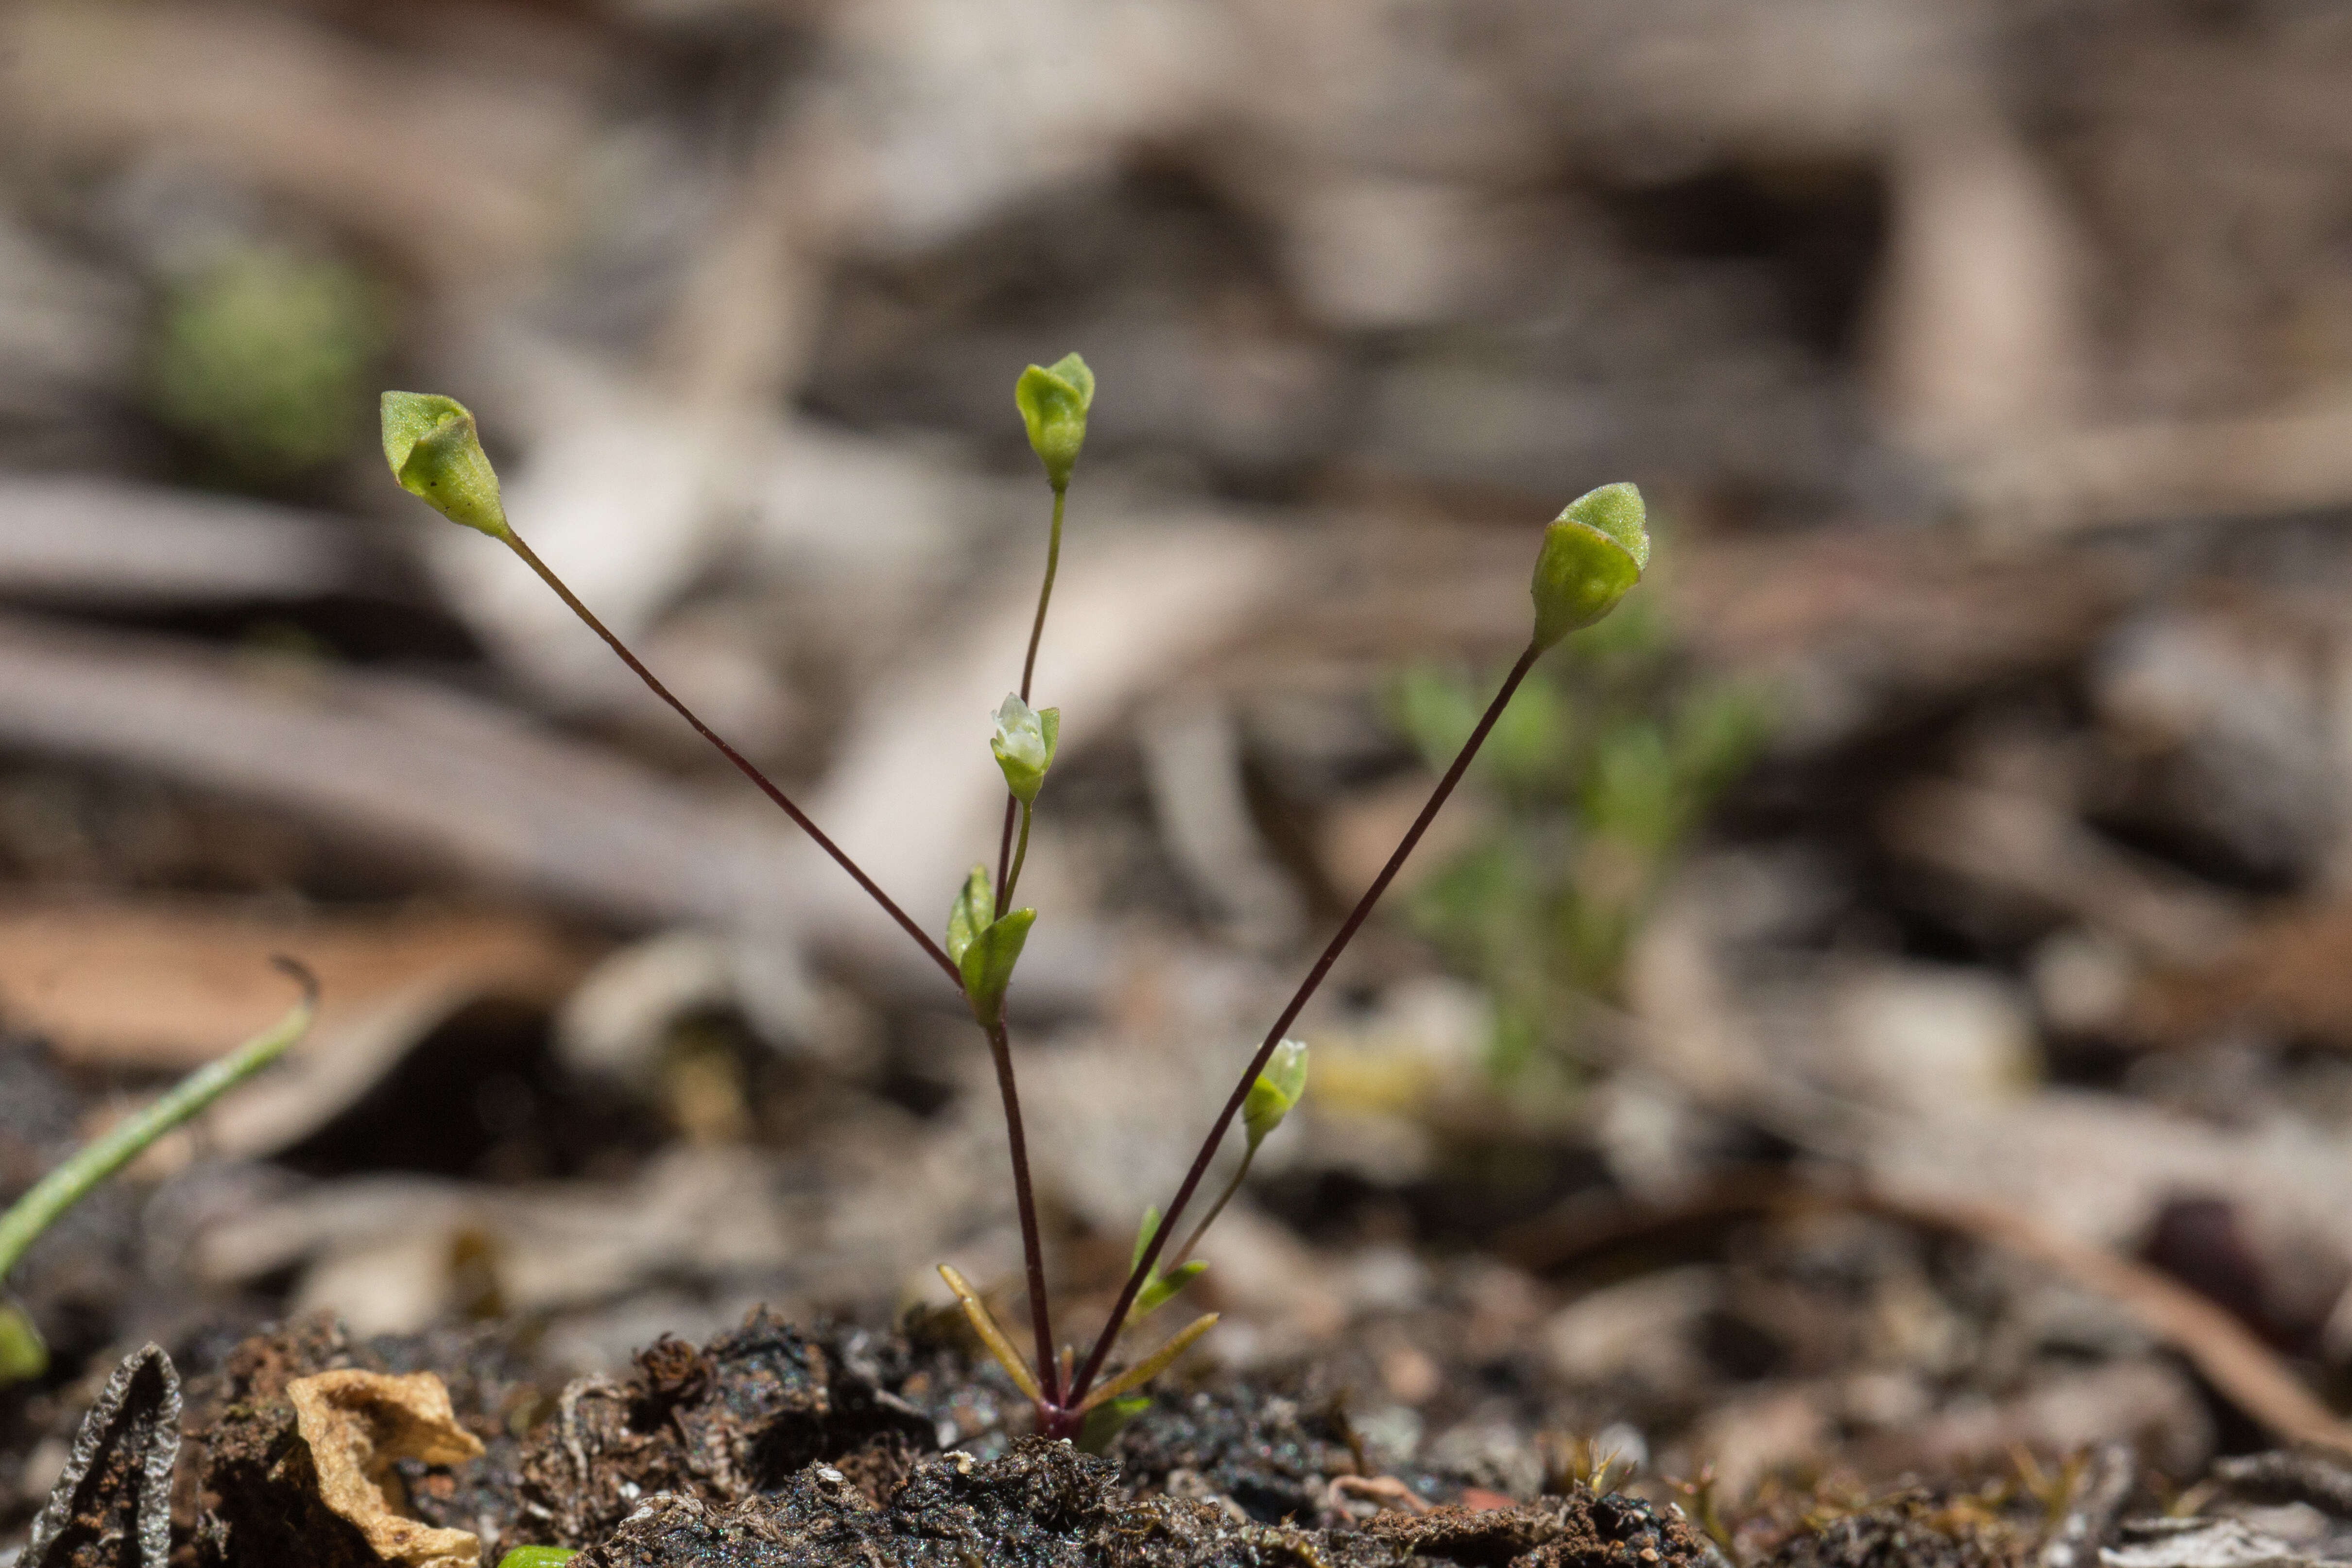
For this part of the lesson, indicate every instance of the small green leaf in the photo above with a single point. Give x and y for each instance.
(1143, 1235)
(538, 1556)
(1024, 744)
(1276, 1092)
(993, 1335)
(987, 963)
(973, 911)
(437, 455)
(1162, 1289)
(1104, 1422)
(1158, 1288)
(1593, 554)
(1054, 405)
(1152, 1365)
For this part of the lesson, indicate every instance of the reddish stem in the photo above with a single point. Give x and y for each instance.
(1049, 1372)
(1306, 989)
(1053, 1414)
(767, 786)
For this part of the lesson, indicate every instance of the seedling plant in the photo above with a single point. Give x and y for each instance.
(23, 1355)
(1590, 557)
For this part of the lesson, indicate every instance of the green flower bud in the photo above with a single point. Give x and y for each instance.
(1276, 1091)
(987, 963)
(1024, 744)
(1593, 554)
(437, 455)
(1054, 405)
(974, 909)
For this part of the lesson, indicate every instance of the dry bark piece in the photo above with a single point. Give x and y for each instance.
(2320, 1481)
(357, 1424)
(113, 1503)
(2199, 1543)
(2107, 1481)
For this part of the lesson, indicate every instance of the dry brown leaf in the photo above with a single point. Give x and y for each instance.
(162, 984)
(357, 1424)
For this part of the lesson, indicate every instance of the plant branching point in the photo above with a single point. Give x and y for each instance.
(1592, 555)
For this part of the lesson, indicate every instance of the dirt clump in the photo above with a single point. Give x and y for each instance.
(718, 1424)
(1580, 1529)
(254, 1494)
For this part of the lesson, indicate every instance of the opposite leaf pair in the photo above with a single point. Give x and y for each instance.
(1592, 554)
(985, 946)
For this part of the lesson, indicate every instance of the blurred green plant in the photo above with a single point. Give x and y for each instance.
(1597, 775)
(265, 361)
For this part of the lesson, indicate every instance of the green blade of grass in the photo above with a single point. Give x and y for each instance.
(127, 1140)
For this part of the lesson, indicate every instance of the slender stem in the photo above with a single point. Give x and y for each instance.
(1028, 673)
(767, 786)
(126, 1139)
(1025, 1195)
(1004, 849)
(1020, 854)
(1008, 871)
(1045, 592)
(1176, 1258)
(1306, 989)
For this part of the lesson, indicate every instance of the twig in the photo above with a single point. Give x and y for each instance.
(2320, 1481)
(2244, 1370)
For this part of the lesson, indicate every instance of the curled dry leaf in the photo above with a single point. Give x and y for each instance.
(358, 1424)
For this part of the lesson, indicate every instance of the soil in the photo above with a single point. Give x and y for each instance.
(773, 1445)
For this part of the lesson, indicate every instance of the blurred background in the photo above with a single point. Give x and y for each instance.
(1959, 808)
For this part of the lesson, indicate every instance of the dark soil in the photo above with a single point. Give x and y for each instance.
(772, 1446)
(1911, 1530)
(1045, 1504)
